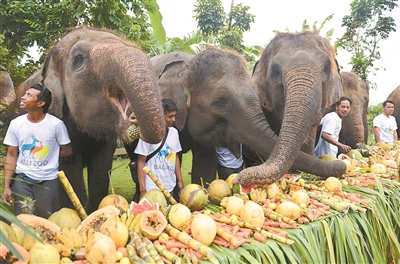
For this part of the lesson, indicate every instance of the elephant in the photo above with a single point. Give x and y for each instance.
(7, 92)
(218, 106)
(99, 81)
(296, 78)
(395, 97)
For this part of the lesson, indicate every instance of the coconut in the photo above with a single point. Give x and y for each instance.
(234, 205)
(157, 196)
(378, 168)
(116, 230)
(332, 184)
(114, 199)
(42, 252)
(289, 209)
(217, 190)
(194, 197)
(179, 216)
(65, 217)
(252, 213)
(301, 197)
(230, 179)
(272, 190)
(354, 154)
(203, 229)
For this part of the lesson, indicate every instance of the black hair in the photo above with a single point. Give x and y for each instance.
(388, 101)
(168, 105)
(343, 98)
(44, 95)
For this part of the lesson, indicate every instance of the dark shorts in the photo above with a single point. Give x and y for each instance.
(224, 172)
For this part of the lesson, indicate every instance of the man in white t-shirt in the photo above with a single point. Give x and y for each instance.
(35, 142)
(385, 126)
(165, 164)
(331, 123)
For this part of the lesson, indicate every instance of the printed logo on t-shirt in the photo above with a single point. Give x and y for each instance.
(34, 153)
(165, 156)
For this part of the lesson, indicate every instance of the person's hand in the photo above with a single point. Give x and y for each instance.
(7, 196)
(180, 186)
(345, 148)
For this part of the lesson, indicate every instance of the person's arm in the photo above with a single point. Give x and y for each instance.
(141, 175)
(10, 164)
(377, 134)
(327, 137)
(178, 173)
(395, 137)
(65, 150)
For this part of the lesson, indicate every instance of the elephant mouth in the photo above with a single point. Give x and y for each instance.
(118, 98)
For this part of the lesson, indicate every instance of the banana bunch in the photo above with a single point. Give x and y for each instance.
(131, 221)
(376, 159)
(69, 240)
(258, 195)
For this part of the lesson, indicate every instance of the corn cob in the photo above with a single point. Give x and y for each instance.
(281, 239)
(141, 248)
(188, 240)
(168, 254)
(160, 185)
(133, 257)
(72, 195)
(153, 252)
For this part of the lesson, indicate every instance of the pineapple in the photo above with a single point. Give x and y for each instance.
(27, 205)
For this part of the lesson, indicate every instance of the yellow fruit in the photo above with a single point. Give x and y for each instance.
(328, 157)
(301, 197)
(332, 184)
(272, 190)
(272, 206)
(203, 229)
(289, 209)
(217, 190)
(252, 213)
(66, 217)
(179, 216)
(230, 179)
(378, 168)
(234, 205)
(125, 260)
(43, 253)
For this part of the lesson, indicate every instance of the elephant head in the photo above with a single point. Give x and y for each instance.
(7, 92)
(355, 124)
(98, 68)
(223, 109)
(395, 97)
(297, 78)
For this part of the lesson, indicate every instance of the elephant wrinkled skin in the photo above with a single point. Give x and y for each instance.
(7, 92)
(97, 80)
(218, 106)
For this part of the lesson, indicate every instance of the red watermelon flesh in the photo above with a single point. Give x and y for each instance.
(142, 206)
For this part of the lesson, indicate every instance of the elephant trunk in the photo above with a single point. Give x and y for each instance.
(301, 92)
(130, 80)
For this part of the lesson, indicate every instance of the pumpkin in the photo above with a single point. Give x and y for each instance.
(152, 224)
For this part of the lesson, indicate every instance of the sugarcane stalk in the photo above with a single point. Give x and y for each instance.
(152, 250)
(141, 248)
(168, 254)
(188, 240)
(160, 185)
(338, 206)
(306, 185)
(227, 236)
(72, 195)
(271, 214)
(281, 239)
(334, 198)
(133, 257)
(281, 197)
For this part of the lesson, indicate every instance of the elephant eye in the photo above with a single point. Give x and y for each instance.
(220, 105)
(79, 59)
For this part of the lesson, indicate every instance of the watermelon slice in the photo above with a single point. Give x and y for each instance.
(237, 188)
(142, 206)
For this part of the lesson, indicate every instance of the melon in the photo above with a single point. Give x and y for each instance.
(194, 197)
(252, 213)
(217, 190)
(142, 206)
(43, 253)
(156, 196)
(203, 229)
(114, 199)
(301, 197)
(289, 209)
(333, 184)
(65, 217)
(234, 205)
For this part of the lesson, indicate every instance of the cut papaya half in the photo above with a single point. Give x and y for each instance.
(152, 224)
(98, 217)
(47, 228)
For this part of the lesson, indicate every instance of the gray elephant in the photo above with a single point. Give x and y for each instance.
(297, 78)
(395, 97)
(7, 92)
(98, 80)
(218, 106)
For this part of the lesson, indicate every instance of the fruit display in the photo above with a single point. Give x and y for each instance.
(206, 226)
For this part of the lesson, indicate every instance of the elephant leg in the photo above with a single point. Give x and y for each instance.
(98, 166)
(72, 167)
(204, 164)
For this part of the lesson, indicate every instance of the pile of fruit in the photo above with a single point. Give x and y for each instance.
(222, 215)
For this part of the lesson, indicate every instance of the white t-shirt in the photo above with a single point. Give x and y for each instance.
(387, 126)
(332, 124)
(227, 159)
(161, 164)
(38, 145)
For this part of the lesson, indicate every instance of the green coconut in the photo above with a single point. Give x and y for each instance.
(217, 190)
(194, 197)
(354, 154)
(157, 196)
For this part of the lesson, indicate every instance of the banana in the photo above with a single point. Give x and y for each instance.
(84, 237)
(64, 239)
(129, 220)
(76, 237)
(263, 196)
(19, 234)
(123, 217)
(29, 240)
(135, 222)
(62, 249)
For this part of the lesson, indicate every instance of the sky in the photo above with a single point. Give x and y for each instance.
(178, 21)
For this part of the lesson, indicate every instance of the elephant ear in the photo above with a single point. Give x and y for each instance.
(52, 80)
(171, 87)
(258, 79)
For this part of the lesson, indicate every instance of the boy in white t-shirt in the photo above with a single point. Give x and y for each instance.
(35, 142)
(385, 126)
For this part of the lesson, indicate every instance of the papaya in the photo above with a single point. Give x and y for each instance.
(7, 257)
(97, 218)
(47, 228)
(152, 224)
(8, 231)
